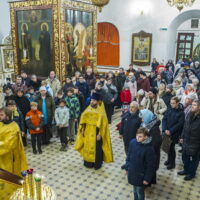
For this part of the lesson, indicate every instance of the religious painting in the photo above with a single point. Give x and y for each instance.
(35, 40)
(141, 48)
(79, 41)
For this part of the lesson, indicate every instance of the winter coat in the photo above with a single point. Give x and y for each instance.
(191, 135)
(151, 80)
(81, 101)
(67, 86)
(156, 83)
(173, 121)
(17, 117)
(140, 162)
(84, 88)
(125, 96)
(159, 105)
(143, 84)
(129, 125)
(132, 84)
(110, 92)
(119, 81)
(154, 131)
(72, 103)
(23, 104)
(154, 66)
(36, 85)
(26, 81)
(62, 116)
(34, 120)
(90, 80)
(31, 96)
(50, 105)
(166, 98)
(54, 85)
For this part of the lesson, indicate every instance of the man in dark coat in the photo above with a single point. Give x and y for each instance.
(23, 105)
(83, 87)
(168, 95)
(110, 95)
(140, 163)
(90, 78)
(172, 125)
(119, 82)
(130, 123)
(191, 142)
(35, 83)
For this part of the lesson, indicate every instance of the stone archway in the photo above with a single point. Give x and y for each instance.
(171, 40)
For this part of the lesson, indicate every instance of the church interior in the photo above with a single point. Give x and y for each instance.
(99, 99)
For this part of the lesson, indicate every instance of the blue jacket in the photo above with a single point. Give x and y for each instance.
(84, 88)
(140, 162)
(173, 121)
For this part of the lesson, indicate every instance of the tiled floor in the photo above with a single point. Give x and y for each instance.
(65, 173)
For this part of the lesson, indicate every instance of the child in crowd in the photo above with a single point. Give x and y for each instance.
(59, 96)
(140, 163)
(72, 103)
(31, 95)
(17, 116)
(35, 122)
(62, 123)
(125, 97)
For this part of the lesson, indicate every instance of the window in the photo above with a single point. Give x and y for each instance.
(184, 45)
(195, 23)
(107, 45)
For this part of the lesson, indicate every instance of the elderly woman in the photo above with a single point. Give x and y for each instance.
(132, 84)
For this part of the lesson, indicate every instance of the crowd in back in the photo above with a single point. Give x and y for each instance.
(164, 101)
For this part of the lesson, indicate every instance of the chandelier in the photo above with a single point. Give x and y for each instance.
(100, 3)
(180, 3)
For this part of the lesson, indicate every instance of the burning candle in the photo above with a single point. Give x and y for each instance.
(25, 184)
(30, 182)
(91, 51)
(38, 183)
(24, 53)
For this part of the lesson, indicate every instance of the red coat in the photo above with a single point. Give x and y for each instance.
(125, 96)
(159, 67)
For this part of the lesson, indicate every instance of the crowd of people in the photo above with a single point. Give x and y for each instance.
(159, 110)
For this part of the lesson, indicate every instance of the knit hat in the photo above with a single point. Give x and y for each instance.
(43, 88)
(154, 91)
(191, 96)
(170, 86)
(95, 96)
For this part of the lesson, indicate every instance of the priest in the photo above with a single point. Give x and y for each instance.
(12, 154)
(93, 139)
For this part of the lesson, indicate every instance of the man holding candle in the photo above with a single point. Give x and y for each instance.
(93, 138)
(12, 154)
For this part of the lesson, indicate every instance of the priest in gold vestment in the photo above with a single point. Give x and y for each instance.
(93, 139)
(12, 154)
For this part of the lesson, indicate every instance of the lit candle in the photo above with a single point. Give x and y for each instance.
(24, 53)
(91, 51)
(25, 184)
(30, 182)
(38, 182)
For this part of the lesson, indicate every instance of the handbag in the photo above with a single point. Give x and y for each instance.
(166, 143)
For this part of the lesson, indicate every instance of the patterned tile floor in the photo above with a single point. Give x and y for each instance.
(65, 173)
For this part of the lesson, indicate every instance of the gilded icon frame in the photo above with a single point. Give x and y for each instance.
(36, 5)
(82, 7)
(141, 48)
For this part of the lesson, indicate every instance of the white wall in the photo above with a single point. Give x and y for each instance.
(125, 15)
(160, 15)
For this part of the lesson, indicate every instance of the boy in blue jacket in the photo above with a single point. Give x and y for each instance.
(140, 163)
